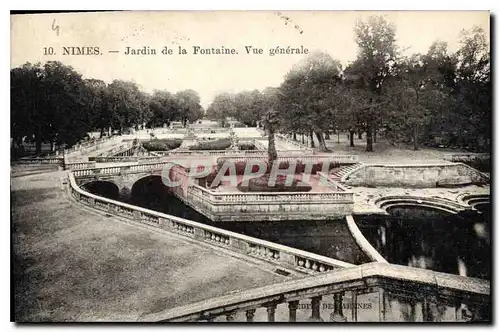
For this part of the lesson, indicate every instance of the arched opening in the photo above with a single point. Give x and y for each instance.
(102, 188)
(151, 193)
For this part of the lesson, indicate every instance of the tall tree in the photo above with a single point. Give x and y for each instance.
(375, 64)
(310, 96)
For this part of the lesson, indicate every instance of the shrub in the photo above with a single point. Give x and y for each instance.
(246, 146)
(218, 144)
(162, 144)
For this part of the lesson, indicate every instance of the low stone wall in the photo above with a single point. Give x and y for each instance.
(220, 206)
(362, 242)
(416, 176)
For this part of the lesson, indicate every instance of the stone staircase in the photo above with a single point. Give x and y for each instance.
(340, 172)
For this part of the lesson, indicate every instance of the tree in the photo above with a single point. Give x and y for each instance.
(375, 64)
(473, 88)
(188, 103)
(310, 96)
(49, 101)
(221, 108)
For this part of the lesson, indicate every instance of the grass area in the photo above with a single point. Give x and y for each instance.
(386, 152)
(71, 264)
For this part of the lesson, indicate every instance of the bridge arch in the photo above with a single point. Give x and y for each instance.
(104, 188)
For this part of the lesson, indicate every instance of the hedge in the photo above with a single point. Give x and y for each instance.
(218, 144)
(162, 144)
(261, 184)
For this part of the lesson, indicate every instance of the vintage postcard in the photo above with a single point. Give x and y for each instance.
(251, 166)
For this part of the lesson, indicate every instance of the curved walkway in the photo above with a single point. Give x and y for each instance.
(73, 264)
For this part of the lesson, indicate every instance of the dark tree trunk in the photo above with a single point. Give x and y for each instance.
(327, 135)
(415, 137)
(272, 155)
(102, 132)
(51, 146)
(294, 136)
(369, 138)
(321, 141)
(375, 136)
(360, 134)
(312, 138)
(38, 141)
(351, 138)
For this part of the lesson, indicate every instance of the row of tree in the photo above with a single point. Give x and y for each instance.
(52, 103)
(417, 99)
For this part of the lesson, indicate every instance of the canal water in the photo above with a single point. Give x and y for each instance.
(428, 238)
(411, 236)
(329, 238)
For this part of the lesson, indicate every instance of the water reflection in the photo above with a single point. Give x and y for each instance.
(431, 239)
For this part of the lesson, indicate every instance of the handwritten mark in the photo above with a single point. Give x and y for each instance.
(289, 20)
(55, 27)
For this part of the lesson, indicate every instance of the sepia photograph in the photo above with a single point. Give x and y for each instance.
(251, 166)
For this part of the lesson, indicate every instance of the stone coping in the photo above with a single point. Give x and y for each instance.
(359, 277)
(433, 201)
(362, 242)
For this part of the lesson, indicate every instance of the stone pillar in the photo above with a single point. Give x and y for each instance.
(337, 315)
(250, 315)
(354, 306)
(230, 316)
(271, 309)
(315, 306)
(381, 296)
(292, 310)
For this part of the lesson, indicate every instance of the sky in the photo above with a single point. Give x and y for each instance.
(329, 31)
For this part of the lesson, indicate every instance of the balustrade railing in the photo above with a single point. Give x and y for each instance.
(80, 165)
(284, 256)
(41, 160)
(215, 197)
(396, 293)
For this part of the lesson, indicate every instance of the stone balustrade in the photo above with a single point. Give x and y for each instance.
(439, 297)
(296, 143)
(465, 157)
(42, 160)
(300, 261)
(246, 197)
(80, 165)
(290, 156)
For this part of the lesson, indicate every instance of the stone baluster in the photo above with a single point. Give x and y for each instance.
(315, 306)
(354, 313)
(250, 315)
(230, 316)
(271, 310)
(337, 315)
(292, 311)
(381, 293)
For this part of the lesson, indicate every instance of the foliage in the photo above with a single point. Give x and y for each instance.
(218, 144)
(52, 103)
(261, 184)
(162, 144)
